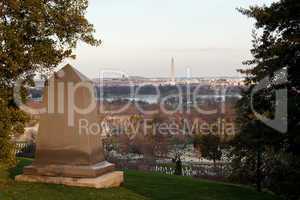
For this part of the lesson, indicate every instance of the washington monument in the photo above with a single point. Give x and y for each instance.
(173, 81)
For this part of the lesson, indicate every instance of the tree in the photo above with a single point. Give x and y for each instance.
(276, 46)
(178, 145)
(209, 146)
(35, 36)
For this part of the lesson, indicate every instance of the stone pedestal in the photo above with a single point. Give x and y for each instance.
(65, 154)
(80, 171)
(108, 180)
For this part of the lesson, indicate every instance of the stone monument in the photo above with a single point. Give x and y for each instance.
(65, 154)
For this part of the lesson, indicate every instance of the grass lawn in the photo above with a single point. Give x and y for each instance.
(138, 185)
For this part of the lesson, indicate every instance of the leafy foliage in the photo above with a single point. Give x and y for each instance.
(35, 36)
(276, 46)
(209, 145)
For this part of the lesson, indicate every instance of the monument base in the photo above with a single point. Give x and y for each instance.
(72, 171)
(112, 179)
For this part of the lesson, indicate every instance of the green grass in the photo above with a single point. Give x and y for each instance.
(138, 185)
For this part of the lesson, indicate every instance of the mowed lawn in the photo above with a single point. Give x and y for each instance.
(138, 185)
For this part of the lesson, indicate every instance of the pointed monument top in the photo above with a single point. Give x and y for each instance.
(69, 72)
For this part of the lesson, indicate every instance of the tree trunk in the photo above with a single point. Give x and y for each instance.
(258, 170)
(178, 167)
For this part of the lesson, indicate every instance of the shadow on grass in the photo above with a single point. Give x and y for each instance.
(162, 187)
(18, 169)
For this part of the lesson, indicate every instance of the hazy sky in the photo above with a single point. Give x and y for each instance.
(140, 37)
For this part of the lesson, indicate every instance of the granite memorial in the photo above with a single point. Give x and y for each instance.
(65, 154)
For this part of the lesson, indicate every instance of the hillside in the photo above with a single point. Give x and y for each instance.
(138, 185)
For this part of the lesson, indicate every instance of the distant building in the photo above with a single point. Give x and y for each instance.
(173, 80)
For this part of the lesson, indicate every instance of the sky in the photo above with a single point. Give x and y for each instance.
(140, 37)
